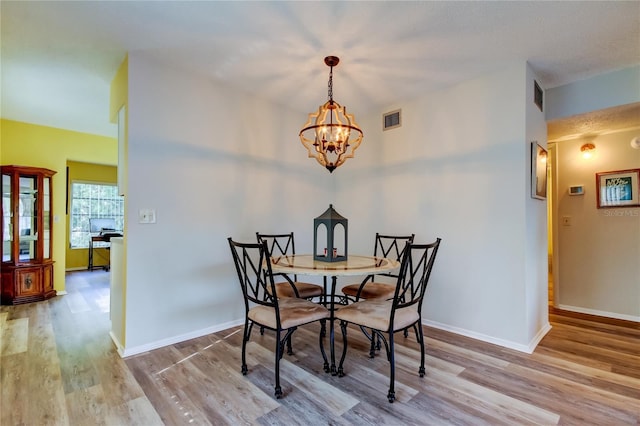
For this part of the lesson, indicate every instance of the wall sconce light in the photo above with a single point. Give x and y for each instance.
(588, 150)
(635, 142)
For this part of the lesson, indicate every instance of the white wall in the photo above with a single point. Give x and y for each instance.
(597, 270)
(213, 163)
(458, 169)
(603, 91)
(216, 163)
(536, 275)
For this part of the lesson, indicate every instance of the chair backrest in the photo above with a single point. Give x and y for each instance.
(391, 247)
(279, 245)
(254, 273)
(415, 269)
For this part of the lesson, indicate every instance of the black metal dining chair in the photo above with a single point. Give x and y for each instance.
(371, 287)
(283, 315)
(402, 311)
(283, 245)
(389, 246)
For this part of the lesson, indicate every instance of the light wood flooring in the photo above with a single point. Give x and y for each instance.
(58, 366)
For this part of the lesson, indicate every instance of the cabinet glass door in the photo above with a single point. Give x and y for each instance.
(27, 218)
(46, 217)
(7, 227)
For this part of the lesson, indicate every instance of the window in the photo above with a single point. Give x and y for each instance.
(89, 201)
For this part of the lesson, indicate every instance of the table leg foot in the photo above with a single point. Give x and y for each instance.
(340, 372)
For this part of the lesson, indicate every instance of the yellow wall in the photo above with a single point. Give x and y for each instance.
(119, 100)
(27, 144)
(119, 93)
(94, 173)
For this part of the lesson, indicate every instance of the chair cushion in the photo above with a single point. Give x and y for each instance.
(305, 290)
(293, 312)
(371, 291)
(376, 313)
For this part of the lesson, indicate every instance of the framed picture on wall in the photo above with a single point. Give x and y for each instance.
(618, 188)
(538, 171)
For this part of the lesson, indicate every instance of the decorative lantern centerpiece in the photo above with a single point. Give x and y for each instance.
(332, 248)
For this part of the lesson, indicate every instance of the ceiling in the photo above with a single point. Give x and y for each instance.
(58, 58)
(592, 124)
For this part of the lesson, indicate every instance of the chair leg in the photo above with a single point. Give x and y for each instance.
(323, 332)
(343, 327)
(391, 396)
(421, 370)
(372, 348)
(415, 329)
(278, 389)
(374, 340)
(245, 338)
(249, 332)
(286, 340)
(289, 347)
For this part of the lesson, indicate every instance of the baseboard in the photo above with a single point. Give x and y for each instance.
(80, 268)
(493, 340)
(119, 346)
(599, 313)
(541, 333)
(126, 352)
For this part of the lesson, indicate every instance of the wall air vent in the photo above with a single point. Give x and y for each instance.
(391, 120)
(537, 95)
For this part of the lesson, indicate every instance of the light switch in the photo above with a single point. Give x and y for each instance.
(566, 220)
(147, 216)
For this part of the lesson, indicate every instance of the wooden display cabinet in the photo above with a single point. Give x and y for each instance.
(27, 237)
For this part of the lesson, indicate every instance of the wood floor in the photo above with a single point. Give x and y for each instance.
(59, 367)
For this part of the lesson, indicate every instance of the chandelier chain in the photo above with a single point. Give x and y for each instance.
(330, 84)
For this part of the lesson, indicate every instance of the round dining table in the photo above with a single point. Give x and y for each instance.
(305, 264)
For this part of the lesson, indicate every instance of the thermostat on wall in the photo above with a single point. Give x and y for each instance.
(576, 190)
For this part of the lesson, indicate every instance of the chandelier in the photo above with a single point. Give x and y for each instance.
(331, 135)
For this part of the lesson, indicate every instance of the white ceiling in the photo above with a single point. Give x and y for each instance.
(58, 58)
(594, 123)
